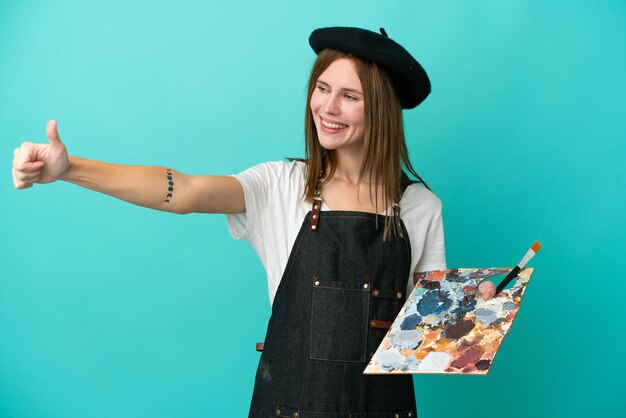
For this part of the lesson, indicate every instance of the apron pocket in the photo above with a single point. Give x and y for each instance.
(339, 320)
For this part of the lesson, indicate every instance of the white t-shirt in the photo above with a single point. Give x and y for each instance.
(275, 212)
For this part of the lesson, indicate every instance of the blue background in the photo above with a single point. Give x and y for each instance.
(112, 310)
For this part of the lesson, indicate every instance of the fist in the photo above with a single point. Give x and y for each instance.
(40, 163)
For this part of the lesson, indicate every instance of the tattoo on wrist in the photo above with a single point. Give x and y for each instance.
(170, 185)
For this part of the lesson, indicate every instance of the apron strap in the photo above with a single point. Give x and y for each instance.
(396, 219)
(317, 204)
(315, 211)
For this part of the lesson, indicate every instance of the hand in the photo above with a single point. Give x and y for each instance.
(40, 163)
(487, 290)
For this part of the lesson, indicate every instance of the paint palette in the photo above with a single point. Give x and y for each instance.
(444, 328)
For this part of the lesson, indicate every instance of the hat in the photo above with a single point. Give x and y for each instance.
(408, 76)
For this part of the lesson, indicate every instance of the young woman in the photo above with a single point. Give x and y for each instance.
(341, 232)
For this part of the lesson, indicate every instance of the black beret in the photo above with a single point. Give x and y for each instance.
(408, 76)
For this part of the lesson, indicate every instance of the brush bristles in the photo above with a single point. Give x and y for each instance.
(529, 254)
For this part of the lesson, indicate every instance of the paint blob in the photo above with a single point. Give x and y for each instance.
(433, 302)
(459, 329)
(410, 322)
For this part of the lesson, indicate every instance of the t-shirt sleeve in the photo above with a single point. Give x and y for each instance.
(434, 254)
(258, 183)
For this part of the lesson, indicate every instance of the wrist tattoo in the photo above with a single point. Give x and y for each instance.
(170, 187)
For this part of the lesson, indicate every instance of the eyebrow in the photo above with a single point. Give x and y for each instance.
(343, 89)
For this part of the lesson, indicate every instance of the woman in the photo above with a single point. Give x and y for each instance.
(340, 233)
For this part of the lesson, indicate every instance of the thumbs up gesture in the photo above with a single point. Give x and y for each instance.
(40, 163)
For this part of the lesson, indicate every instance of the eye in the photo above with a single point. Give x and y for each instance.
(351, 97)
(321, 88)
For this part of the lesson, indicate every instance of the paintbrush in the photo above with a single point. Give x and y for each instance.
(529, 254)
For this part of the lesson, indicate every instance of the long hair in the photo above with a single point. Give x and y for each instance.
(385, 150)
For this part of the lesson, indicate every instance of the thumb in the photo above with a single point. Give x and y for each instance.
(53, 134)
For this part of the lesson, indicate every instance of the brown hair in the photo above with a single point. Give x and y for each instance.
(385, 146)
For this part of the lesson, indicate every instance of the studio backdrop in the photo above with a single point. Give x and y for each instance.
(113, 310)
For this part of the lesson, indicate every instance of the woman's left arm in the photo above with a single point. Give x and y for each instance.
(434, 253)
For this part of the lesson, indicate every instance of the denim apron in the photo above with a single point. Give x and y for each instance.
(341, 289)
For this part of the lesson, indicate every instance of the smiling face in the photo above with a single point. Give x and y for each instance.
(359, 97)
(338, 109)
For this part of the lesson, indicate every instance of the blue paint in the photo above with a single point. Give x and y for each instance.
(467, 304)
(410, 322)
(508, 305)
(486, 315)
(454, 277)
(407, 339)
(433, 302)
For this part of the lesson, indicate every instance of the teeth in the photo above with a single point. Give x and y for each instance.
(333, 125)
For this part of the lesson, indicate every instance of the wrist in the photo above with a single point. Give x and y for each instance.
(70, 173)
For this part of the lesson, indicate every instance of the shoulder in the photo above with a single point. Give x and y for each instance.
(417, 198)
(280, 167)
(274, 171)
(274, 182)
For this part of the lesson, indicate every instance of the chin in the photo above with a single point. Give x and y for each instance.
(326, 143)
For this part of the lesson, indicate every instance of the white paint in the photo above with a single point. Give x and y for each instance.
(434, 362)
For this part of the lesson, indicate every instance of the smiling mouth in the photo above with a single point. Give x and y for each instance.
(330, 125)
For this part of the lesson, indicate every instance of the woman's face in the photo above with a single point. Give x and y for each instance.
(338, 109)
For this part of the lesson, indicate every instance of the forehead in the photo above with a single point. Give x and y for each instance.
(341, 73)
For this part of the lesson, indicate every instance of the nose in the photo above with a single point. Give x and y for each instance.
(331, 106)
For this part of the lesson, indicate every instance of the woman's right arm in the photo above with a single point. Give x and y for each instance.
(153, 187)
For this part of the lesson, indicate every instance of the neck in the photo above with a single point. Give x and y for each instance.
(349, 167)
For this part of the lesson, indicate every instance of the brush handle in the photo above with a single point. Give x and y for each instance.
(507, 279)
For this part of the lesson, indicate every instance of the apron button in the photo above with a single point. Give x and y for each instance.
(278, 412)
(295, 414)
(317, 283)
(313, 227)
(397, 415)
(365, 286)
(399, 295)
(314, 216)
(315, 207)
(373, 323)
(410, 414)
(375, 292)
